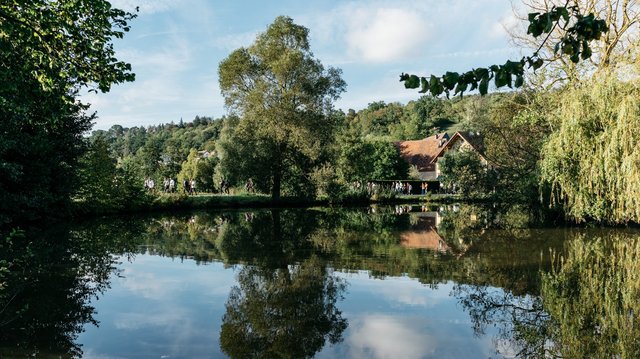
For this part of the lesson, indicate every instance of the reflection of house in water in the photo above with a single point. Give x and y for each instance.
(423, 234)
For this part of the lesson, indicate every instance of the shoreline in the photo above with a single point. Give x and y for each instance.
(181, 202)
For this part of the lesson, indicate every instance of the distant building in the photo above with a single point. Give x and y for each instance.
(461, 141)
(422, 153)
(206, 154)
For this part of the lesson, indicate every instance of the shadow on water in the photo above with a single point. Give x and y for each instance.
(50, 280)
(549, 292)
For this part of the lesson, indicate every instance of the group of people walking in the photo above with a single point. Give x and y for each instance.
(402, 188)
(407, 187)
(170, 185)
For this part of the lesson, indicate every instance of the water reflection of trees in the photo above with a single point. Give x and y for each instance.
(45, 300)
(593, 298)
(287, 312)
(286, 300)
(587, 305)
(361, 239)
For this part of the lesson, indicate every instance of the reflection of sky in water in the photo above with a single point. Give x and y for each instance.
(166, 308)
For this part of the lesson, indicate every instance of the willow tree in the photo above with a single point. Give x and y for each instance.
(283, 96)
(591, 159)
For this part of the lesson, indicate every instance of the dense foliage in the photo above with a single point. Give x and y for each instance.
(591, 158)
(49, 51)
(590, 295)
(283, 135)
(284, 98)
(463, 172)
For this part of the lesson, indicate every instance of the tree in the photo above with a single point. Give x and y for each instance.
(578, 31)
(283, 97)
(105, 185)
(591, 159)
(50, 50)
(39, 145)
(97, 176)
(613, 51)
(514, 128)
(66, 43)
(365, 159)
(464, 171)
(426, 115)
(380, 119)
(199, 169)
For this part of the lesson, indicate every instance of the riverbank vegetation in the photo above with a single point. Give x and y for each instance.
(565, 139)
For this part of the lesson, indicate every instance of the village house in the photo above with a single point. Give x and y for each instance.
(424, 154)
(461, 141)
(421, 153)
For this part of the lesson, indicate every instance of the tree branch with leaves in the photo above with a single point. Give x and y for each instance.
(579, 31)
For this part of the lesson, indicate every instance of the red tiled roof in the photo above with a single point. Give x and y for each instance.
(420, 153)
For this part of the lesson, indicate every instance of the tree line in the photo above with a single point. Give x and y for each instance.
(360, 148)
(566, 138)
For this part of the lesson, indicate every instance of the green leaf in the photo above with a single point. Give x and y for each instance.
(412, 82)
(461, 87)
(501, 78)
(564, 13)
(519, 81)
(434, 86)
(484, 86)
(451, 79)
(425, 85)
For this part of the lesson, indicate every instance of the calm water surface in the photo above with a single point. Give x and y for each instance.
(378, 282)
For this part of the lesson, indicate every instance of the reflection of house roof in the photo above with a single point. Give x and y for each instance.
(424, 239)
(420, 153)
(424, 235)
(473, 139)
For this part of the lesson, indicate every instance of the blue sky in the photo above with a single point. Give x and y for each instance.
(175, 47)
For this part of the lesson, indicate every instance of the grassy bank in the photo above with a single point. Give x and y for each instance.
(172, 202)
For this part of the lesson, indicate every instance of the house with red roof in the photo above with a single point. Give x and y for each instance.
(421, 153)
(424, 154)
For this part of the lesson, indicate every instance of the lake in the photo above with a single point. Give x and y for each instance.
(455, 281)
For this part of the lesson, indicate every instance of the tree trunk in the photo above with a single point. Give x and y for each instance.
(277, 182)
(277, 172)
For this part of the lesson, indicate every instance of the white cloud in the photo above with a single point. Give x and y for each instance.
(147, 284)
(386, 34)
(403, 31)
(233, 41)
(507, 24)
(383, 336)
(385, 87)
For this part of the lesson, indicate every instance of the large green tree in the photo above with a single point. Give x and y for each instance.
(368, 159)
(65, 43)
(591, 160)
(49, 51)
(283, 96)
